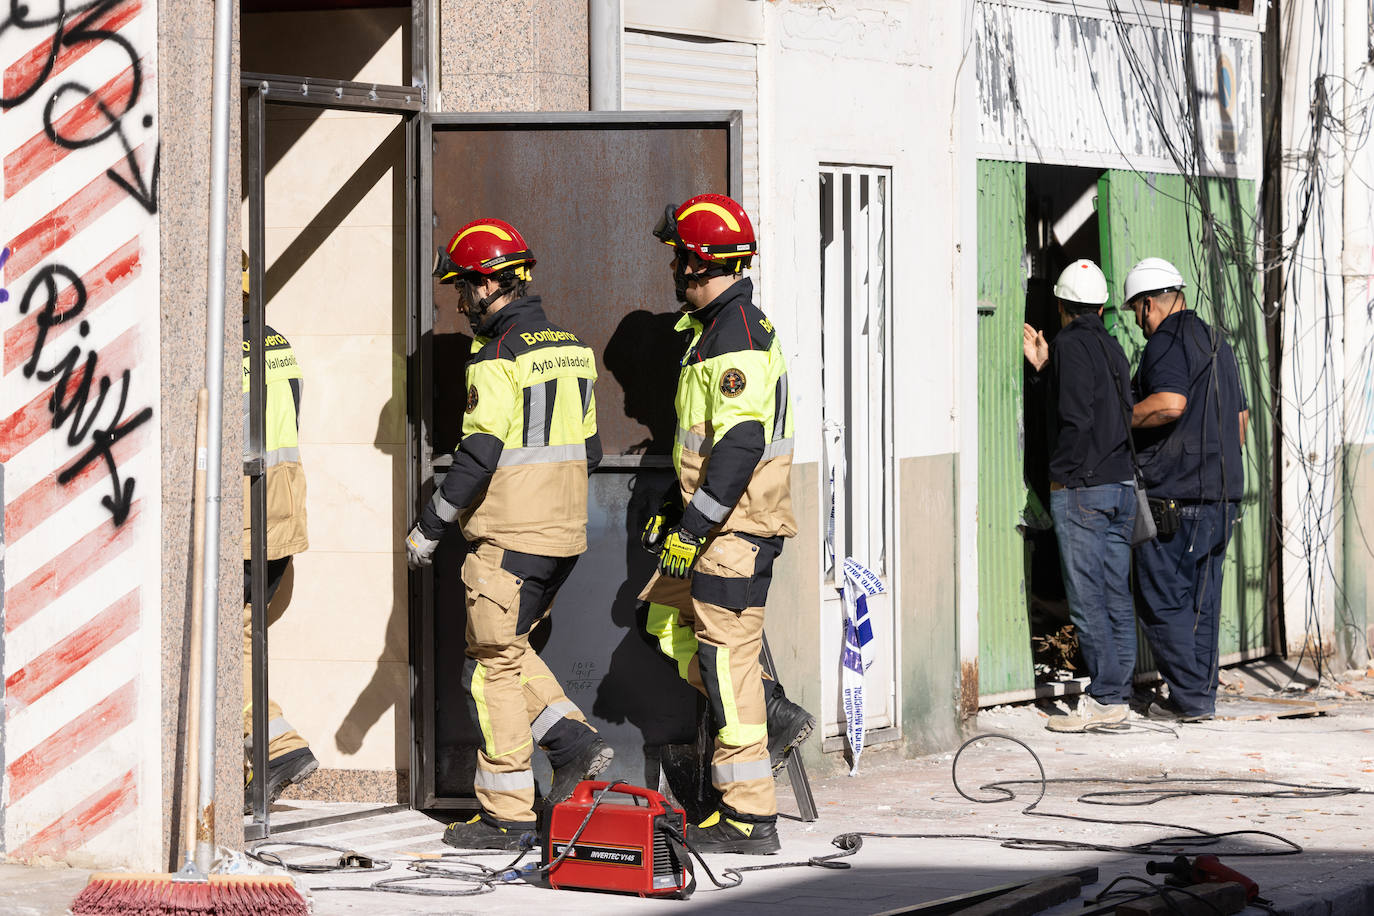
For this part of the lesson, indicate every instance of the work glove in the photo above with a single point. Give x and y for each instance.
(667, 515)
(419, 549)
(680, 551)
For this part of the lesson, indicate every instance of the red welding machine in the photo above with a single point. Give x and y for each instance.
(632, 848)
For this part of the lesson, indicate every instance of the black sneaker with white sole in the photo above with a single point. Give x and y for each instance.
(788, 725)
(722, 833)
(482, 832)
(586, 765)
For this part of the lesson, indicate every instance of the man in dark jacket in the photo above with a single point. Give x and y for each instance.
(1092, 490)
(1191, 418)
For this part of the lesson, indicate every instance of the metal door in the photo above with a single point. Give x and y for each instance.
(585, 191)
(1212, 243)
(1004, 650)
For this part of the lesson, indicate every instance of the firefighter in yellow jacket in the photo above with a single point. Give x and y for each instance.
(518, 488)
(722, 526)
(288, 755)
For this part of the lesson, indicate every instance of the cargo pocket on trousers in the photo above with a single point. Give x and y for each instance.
(493, 596)
(724, 571)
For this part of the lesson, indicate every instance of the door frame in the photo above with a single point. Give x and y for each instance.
(258, 91)
(422, 466)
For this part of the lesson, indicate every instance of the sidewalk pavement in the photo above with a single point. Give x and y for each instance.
(1332, 876)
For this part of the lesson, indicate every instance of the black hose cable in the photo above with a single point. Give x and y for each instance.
(259, 854)
(404, 884)
(1192, 838)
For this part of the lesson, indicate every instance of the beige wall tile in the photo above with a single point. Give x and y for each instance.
(354, 389)
(341, 607)
(355, 498)
(335, 171)
(356, 715)
(315, 280)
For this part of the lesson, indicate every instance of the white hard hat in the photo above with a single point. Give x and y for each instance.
(1083, 282)
(1151, 275)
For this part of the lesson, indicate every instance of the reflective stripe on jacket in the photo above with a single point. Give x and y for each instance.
(519, 477)
(733, 450)
(286, 525)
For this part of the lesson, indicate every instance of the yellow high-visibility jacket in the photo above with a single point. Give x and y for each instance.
(286, 526)
(733, 450)
(519, 476)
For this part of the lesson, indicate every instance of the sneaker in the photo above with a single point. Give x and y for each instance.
(293, 766)
(484, 833)
(585, 765)
(719, 833)
(1168, 712)
(788, 726)
(1090, 714)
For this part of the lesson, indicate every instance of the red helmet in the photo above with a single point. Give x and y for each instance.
(486, 247)
(712, 225)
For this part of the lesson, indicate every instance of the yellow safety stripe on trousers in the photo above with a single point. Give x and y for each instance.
(479, 699)
(674, 640)
(734, 733)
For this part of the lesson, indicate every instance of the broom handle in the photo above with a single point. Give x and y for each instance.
(191, 786)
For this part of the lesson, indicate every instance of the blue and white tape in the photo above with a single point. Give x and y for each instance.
(856, 658)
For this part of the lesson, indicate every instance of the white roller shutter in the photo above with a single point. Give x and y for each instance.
(664, 72)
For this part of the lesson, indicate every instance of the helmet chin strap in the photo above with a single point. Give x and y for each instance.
(477, 309)
(681, 278)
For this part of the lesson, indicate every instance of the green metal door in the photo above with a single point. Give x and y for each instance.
(1147, 215)
(1004, 650)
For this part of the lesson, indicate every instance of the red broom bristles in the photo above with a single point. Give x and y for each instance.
(117, 894)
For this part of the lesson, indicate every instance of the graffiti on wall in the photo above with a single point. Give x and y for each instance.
(70, 400)
(80, 165)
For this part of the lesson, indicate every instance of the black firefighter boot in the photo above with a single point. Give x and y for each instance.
(729, 831)
(788, 724)
(483, 831)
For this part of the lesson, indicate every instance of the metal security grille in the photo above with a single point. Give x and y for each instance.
(856, 378)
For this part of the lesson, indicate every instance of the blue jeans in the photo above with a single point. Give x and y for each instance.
(1180, 584)
(1093, 526)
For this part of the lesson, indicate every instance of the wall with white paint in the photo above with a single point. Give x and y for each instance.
(1312, 360)
(868, 83)
(79, 436)
(873, 83)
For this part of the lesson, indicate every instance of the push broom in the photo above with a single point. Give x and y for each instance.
(192, 890)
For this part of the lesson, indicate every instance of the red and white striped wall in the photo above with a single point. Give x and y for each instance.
(80, 759)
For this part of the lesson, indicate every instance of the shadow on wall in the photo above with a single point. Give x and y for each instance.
(382, 691)
(642, 357)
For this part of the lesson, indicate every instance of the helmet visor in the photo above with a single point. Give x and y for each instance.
(666, 230)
